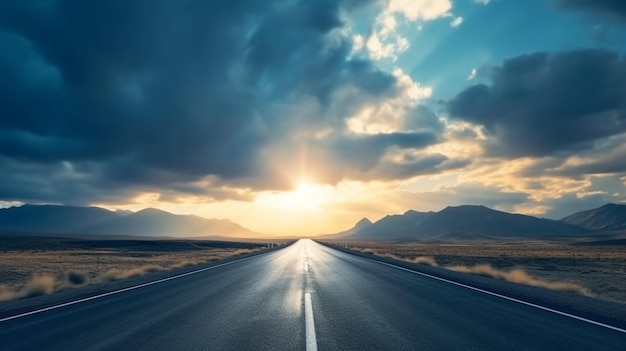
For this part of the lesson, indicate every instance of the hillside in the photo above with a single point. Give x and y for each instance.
(609, 217)
(485, 221)
(393, 226)
(361, 225)
(54, 219)
(465, 221)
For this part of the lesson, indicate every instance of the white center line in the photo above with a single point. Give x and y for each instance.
(306, 267)
(311, 340)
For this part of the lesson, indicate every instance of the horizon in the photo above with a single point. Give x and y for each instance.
(309, 235)
(298, 118)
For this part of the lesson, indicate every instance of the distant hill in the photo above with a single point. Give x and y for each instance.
(465, 221)
(393, 226)
(485, 221)
(609, 217)
(362, 224)
(55, 219)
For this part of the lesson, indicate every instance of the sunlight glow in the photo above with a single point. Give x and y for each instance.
(306, 189)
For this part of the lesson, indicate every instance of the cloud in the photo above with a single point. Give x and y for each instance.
(456, 22)
(426, 10)
(384, 40)
(472, 74)
(614, 10)
(472, 193)
(547, 103)
(606, 158)
(371, 156)
(181, 97)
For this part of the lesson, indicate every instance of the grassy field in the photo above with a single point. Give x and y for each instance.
(591, 270)
(31, 266)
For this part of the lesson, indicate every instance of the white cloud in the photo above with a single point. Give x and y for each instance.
(388, 23)
(456, 22)
(426, 9)
(385, 42)
(389, 115)
(358, 42)
(412, 89)
(472, 74)
(402, 43)
(379, 49)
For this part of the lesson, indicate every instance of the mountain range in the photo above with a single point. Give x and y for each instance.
(480, 222)
(452, 223)
(610, 217)
(54, 219)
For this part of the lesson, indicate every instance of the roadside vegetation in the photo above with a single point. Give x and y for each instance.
(38, 266)
(589, 270)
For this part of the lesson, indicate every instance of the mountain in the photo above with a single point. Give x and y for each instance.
(359, 226)
(465, 221)
(151, 221)
(54, 219)
(485, 221)
(609, 217)
(393, 226)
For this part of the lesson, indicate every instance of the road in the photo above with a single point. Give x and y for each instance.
(303, 297)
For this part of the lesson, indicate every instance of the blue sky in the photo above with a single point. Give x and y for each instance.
(315, 112)
(443, 56)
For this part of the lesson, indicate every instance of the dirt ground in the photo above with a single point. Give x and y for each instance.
(31, 266)
(593, 270)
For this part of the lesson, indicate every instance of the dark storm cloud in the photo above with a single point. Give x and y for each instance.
(612, 9)
(360, 154)
(414, 166)
(548, 103)
(132, 78)
(69, 184)
(137, 95)
(611, 162)
(423, 118)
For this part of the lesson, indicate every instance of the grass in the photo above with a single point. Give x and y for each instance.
(31, 266)
(589, 270)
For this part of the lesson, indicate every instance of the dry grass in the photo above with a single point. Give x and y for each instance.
(519, 275)
(38, 285)
(37, 268)
(589, 270)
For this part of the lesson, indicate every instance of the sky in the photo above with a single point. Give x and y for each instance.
(300, 117)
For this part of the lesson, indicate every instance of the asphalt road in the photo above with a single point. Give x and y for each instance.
(305, 296)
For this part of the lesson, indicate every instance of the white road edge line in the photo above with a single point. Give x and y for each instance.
(311, 340)
(503, 296)
(121, 290)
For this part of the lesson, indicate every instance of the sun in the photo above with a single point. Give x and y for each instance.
(304, 188)
(307, 192)
(304, 197)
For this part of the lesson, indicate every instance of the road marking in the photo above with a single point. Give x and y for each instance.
(306, 267)
(503, 296)
(311, 340)
(121, 290)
